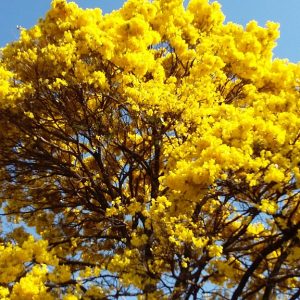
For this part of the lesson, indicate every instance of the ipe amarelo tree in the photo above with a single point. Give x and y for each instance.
(155, 151)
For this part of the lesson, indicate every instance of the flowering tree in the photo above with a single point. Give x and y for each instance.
(155, 151)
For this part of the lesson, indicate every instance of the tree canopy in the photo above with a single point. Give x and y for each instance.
(152, 152)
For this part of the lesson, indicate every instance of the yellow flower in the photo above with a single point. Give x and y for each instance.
(70, 297)
(215, 250)
(268, 206)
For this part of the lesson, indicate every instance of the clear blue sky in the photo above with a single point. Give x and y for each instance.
(287, 13)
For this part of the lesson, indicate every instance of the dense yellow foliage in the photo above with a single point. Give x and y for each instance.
(155, 150)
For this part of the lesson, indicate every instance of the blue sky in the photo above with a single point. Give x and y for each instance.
(26, 12)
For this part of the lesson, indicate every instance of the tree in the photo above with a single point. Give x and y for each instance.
(155, 153)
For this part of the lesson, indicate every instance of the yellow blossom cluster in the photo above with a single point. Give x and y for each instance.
(155, 152)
